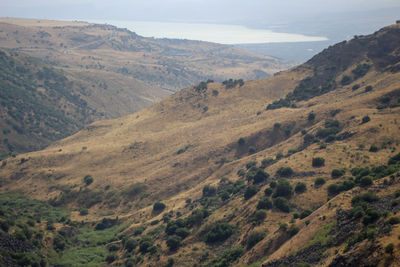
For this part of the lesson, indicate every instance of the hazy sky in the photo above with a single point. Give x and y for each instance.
(278, 11)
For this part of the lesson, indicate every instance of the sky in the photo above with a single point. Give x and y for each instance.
(229, 11)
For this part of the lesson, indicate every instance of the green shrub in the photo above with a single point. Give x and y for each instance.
(266, 162)
(371, 216)
(311, 116)
(361, 70)
(305, 213)
(366, 181)
(319, 181)
(282, 204)
(219, 232)
(373, 148)
(134, 190)
(318, 162)
(284, 172)
(268, 191)
(250, 191)
(293, 230)
(389, 248)
(241, 141)
(209, 191)
(300, 188)
(355, 87)
(131, 244)
(88, 179)
(83, 212)
(365, 119)
(346, 80)
(145, 244)
(259, 216)
(182, 232)
(337, 173)
(241, 173)
(228, 257)
(111, 258)
(368, 88)
(272, 184)
(254, 238)
(251, 164)
(265, 204)
(283, 189)
(174, 242)
(158, 206)
(394, 220)
(367, 197)
(113, 247)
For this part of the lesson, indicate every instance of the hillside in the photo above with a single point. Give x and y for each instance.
(107, 52)
(298, 169)
(107, 72)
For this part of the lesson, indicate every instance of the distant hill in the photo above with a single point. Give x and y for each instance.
(165, 64)
(300, 169)
(104, 72)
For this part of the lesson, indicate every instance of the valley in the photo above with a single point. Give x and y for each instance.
(299, 169)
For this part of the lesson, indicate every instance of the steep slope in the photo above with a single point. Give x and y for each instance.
(215, 175)
(103, 50)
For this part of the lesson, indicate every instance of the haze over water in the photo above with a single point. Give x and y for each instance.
(217, 33)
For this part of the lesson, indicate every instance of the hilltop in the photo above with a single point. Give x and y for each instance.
(299, 169)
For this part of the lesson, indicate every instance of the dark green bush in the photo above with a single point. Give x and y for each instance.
(319, 181)
(373, 148)
(241, 173)
(282, 204)
(283, 189)
(366, 181)
(113, 247)
(158, 206)
(174, 242)
(209, 191)
(111, 258)
(259, 216)
(145, 244)
(251, 164)
(346, 80)
(311, 116)
(228, 257)
(318, 162)
(337, 173)
(241, 141)
(360, 70)
(219, 232)
(300, 188)
(268, 191)
(251, 190)
(365, 119)
(88, 179)
(355, 87)
(389, 248)
(264, 204)
(254, 238)
(131, 244)
(83, 212)
(267, 162)
(394, 220)
(305, 213)
(182, 232)
(272, 184)
(368, 88)
(293, 230)
(367, 197)
(284, 172)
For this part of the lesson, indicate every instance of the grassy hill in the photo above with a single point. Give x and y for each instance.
(106, 72)
(107, 52)
(301, 169)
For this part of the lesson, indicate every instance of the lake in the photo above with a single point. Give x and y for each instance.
(217, 33)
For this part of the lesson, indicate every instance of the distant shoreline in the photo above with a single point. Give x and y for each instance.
(216, 33)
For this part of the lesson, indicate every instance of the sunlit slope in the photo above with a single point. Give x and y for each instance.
(207, 147)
